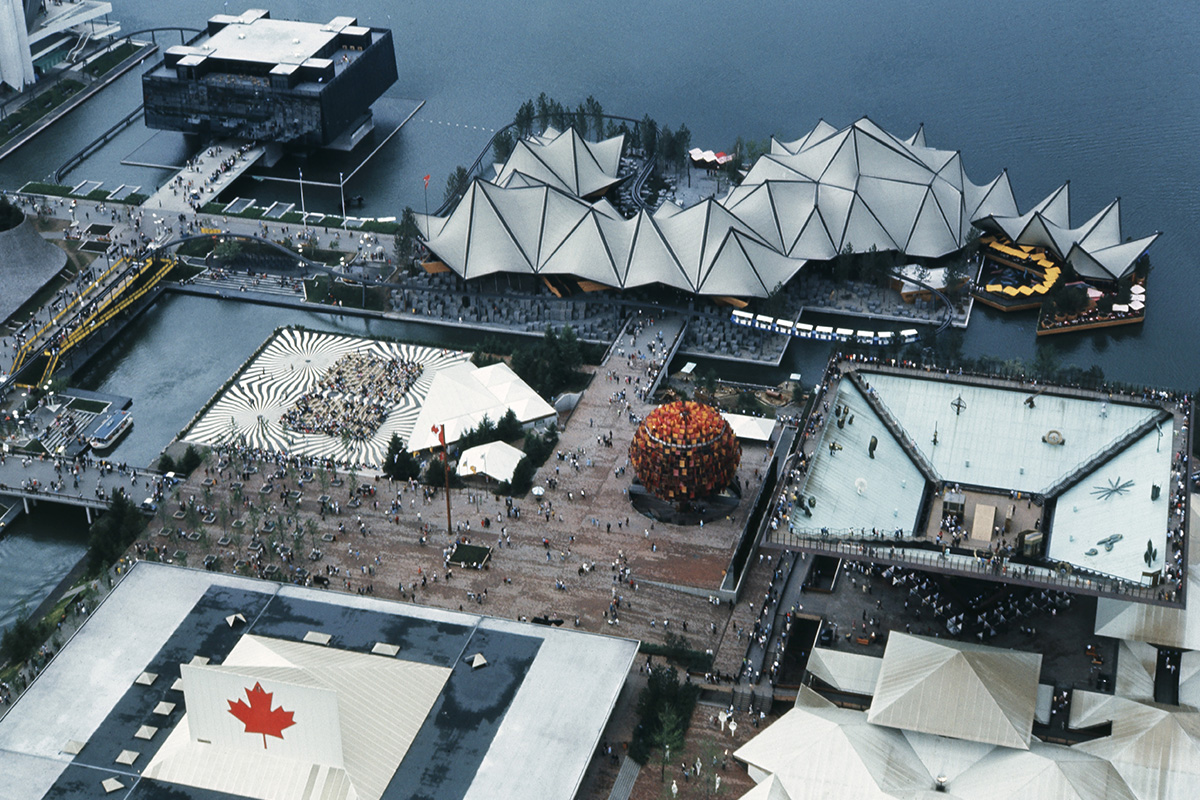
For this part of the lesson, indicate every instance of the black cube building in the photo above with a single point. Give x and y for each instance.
(295, 83)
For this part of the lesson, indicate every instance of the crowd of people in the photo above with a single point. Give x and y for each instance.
(354, 397)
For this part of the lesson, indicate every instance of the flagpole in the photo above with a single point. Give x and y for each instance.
(427, 208)
(446, 472)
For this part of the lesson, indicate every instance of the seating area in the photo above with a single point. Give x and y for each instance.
(354, 396)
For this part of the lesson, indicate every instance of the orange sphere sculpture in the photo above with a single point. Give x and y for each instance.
(684, 451)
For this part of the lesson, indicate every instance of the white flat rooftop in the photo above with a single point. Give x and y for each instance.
(540, 743)
(997, 440)
(852, 489)
(1115, 500)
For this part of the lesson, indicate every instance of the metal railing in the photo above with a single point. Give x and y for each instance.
(881, 551)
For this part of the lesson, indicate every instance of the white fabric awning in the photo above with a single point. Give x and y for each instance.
(756, 429)
(495, 459)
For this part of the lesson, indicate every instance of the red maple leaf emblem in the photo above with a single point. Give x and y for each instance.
(259, 717)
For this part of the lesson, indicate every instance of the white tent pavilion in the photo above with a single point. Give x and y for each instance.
(462, 395)
(924, 683)
(858, 187)
(494, 459)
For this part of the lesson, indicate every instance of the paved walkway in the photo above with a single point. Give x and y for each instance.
(626, 778)
(206, 176)
(49, 479)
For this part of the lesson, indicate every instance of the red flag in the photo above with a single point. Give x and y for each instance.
(426, 181)
(441, 432)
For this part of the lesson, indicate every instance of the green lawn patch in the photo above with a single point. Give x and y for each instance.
(88, 406)
(53, 189)
(37, 107)
(105, 63)
(183, 272)
(373, 226)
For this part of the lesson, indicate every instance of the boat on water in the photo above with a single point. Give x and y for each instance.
(111, 430)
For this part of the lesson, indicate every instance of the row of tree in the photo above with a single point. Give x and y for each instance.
(552, 363)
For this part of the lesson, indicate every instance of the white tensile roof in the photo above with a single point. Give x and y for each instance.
(859, 188)
(824, 751)
(565, 161)
(495, 459)
(462, 395)
(1043, 772)
(844, 670)
(756, 429)
(1095, 249)
(924, 684)
(1156, 750)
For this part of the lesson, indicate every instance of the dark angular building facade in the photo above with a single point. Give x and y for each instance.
(295, 83)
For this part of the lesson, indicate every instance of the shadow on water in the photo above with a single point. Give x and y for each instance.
(38, 551)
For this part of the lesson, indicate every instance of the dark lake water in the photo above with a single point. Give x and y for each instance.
(1101, 93)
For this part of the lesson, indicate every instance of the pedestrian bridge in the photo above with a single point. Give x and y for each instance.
(25, 482)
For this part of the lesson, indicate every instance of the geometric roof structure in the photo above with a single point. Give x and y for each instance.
(29, 263)
(1043, 772)
(1098, 458)
(1095, 249)
(824, 751)
(1160, 625)
(1155, 749)
(497, 460)
(859, 188)
(565, 161)
(845, 671)
(354, 717)
(542, 230)
(463, 394)
(924, 684)
(315, 694)
(756, 429)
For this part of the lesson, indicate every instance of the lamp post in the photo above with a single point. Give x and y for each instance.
(342, 189)
(303, 210)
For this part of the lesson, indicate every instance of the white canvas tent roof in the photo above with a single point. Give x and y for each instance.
(925, 683)
(858, 187)
(1156, 750)
(564, 160)
(758, 429)
(494, 459)
(1096, 249)
(1043, 772)
(821, 752)
(845, 671)
(462, 395)
(861, 186)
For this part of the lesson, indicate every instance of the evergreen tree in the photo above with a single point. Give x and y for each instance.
(502, 145)
(399, 463)
(649, 135)
(456, 183)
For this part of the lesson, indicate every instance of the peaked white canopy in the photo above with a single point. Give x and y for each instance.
(495, 459)
(1095, 249)
(462, 395)
(830, 191)
(565, 161)
(861, 187)
(925, 683)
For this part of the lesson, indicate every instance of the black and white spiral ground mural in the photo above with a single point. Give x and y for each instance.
(293, 363)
